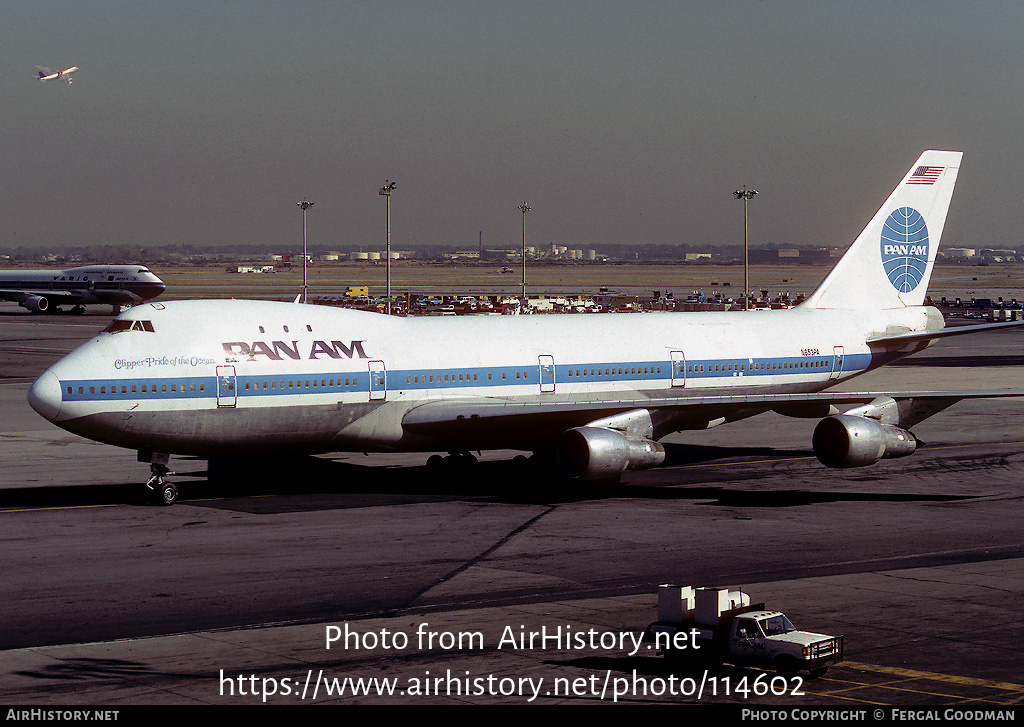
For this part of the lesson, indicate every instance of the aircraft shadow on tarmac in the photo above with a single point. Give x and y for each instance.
(75, 669)
(298, 484)
(960, 361)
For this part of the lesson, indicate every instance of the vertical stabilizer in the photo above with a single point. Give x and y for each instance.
(890, 262)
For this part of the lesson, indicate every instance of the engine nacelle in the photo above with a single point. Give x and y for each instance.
(854, 441)
(36, 303)
(595, 453)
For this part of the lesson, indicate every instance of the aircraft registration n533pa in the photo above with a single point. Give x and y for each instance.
(222, 377)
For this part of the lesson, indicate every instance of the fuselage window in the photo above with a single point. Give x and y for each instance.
(103, 389)
(124, 389)
(92, 389)
(273, 384)
(163, 388)
(202, 387)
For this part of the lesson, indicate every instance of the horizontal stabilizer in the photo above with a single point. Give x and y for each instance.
(904, 338)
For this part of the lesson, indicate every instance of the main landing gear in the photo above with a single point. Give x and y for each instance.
(454, 463)
(158, 490)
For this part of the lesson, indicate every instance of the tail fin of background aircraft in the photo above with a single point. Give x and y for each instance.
(890, 262)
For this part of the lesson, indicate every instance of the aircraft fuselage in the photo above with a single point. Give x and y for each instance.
(206, 377)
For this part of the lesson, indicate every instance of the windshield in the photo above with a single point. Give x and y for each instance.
(777, 625)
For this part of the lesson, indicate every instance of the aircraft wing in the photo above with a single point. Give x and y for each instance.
(59, 296)
(464, 419)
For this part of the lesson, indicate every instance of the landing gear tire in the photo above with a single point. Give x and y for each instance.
(160, 491)
(167, 494)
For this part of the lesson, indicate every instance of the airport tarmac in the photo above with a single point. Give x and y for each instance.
(919, 562)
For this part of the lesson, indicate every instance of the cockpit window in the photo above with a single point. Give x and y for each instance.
(116, 326)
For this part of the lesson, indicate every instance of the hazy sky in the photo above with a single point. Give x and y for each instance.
(205, 122)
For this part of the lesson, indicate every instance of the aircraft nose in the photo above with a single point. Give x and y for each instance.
(45, 396)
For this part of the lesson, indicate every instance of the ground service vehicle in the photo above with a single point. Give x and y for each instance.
(716, 625)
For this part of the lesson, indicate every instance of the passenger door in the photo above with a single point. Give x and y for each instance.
(378, 381)
(547, 374)
(227, 389)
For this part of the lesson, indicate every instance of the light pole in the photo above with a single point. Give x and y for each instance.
(305, 205)
(525, 208)
(745, 194)
(386, 191)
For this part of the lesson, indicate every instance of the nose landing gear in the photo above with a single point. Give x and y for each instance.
(158, 490)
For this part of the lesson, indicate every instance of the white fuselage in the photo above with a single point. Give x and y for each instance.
(208, 377)
(84, 285)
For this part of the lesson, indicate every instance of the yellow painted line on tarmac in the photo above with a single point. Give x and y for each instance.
(60, 507)
(128, 504)
(934, 676)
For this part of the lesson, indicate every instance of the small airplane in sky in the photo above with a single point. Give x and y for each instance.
(48, 74)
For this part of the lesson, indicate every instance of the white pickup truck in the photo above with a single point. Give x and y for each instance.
(711, 625)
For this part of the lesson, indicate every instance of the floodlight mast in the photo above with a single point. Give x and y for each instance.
(525, 208)
(745, 194)
(305, 205)
(386, 191)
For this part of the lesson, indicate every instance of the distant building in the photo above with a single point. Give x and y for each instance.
(690, 256)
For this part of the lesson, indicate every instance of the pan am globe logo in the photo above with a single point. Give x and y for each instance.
(904, 248)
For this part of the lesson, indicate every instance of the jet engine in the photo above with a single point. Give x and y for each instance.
(846, 440)
(595, 453)
(36, 303)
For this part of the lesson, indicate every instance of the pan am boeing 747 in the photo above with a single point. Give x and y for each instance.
(220, 377)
